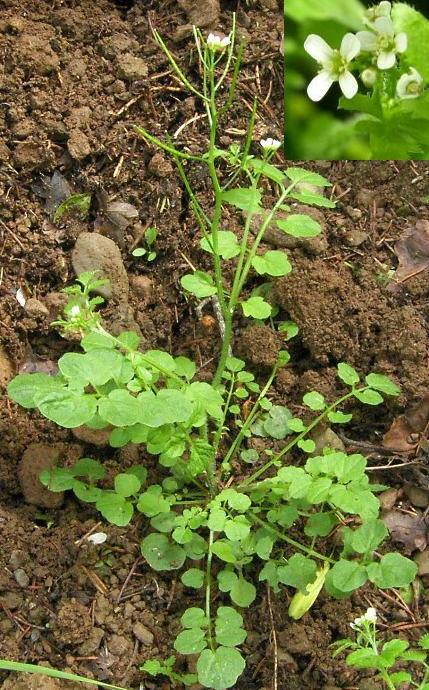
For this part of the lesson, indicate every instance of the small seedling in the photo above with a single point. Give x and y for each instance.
(148, 251)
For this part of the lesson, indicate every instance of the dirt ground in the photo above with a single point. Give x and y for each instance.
(76, 77)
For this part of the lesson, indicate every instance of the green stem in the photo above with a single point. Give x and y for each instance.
(183, 78)
(170, 149)
(249, 421)
(289, 540)
(208, 588)
(219, 430)
(292, 443)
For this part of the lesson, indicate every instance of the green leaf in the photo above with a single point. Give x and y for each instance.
(234, 364)
(85, 492)
(363, 658)
(237, 529)
(320, 524)
(228, 627)
(307, 445)
(97, 341)
(242, 592)
(339, 417)
(267, 170)
(220, 669)
(368, 396)
(272, 263)
(126, 484)
(200, 458)
(120, 408)
(185, 367)
(299, 225)
(347, 374)
(57, 479)
(168, 406)
(276, 423)
(236, 500)
(246, 198)
(87, 467)
(226, 580)
(300, 174)
(190, 641)
(129, 339)
(116, 509)
(161, 553)
(228, 246)
(348, 575)
(382, 383)
(313, 199)
(393, 570)
(152, 502)
(193, 578)
(314, 400)
(216, 520)
(207, 397)
(289, 328)
(24, 387)
(199, 284)
(194, 617)
(368, 536)
(319, 490)
(299, 572)
(75, 202)
(67, 409)
(256, 307)
(223, 550)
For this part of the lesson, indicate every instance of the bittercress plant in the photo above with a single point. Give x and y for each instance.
(219, 511)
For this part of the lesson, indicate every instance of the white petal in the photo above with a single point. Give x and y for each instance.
(317, 47)
(386, 60)
(20, 296)
(98, 537)
(401, 42)
(348, 85)
(385, 7)
(384, 25)
(367, 40)
(319, 86)
(350, 47)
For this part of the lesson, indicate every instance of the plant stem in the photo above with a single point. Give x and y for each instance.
(249, 421)
(289, 540)
(208, 588)
(290, 445)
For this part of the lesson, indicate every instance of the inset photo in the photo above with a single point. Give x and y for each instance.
(356, 80)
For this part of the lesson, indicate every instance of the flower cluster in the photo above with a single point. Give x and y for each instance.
(369, 617)
(384, 47)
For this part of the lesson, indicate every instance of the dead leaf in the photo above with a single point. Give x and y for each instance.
(113, 216)
(404, 434)
(53, 189)
(409, 530)
(412, 251)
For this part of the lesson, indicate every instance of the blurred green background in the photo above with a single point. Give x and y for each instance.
(319, 131)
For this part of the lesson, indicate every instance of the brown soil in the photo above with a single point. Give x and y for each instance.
(76, 77)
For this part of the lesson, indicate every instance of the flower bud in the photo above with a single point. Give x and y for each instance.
(369, 76)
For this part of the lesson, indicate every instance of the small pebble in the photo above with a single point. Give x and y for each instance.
(21, 578)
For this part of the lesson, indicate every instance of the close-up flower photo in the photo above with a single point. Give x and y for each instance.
(356, 80)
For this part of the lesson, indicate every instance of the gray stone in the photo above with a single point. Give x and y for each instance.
(94, 252)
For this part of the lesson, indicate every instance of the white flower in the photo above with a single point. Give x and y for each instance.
(75, 311)
(369, 617)
(410, 84)
(98, 537)
(383, 42)
(383, 9)
(335, 66)
(217, 41)
(270, 144)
